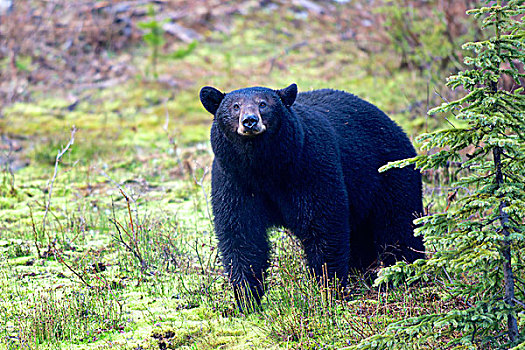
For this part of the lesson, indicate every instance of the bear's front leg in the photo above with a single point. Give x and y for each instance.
(241, 224)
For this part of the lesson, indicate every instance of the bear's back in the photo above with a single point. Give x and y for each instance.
(358, 124)
(367, 139)
(342, 108)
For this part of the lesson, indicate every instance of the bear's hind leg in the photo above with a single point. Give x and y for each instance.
(398, 204)
(327, 254)
(394, 239)
(363, 251)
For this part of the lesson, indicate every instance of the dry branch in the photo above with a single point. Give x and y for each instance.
(52, 182)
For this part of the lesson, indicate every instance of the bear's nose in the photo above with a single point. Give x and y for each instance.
(249, 121)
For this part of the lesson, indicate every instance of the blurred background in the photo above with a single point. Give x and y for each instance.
(127, 73)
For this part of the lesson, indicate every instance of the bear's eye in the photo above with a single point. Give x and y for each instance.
(262, 104)
(236, 107)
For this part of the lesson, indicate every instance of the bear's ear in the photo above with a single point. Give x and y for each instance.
(211, 98)
(288, 95)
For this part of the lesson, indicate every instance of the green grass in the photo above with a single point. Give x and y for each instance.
(158, 284)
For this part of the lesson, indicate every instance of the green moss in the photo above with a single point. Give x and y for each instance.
(21, 261)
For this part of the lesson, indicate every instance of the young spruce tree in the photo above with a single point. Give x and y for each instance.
(477, 244)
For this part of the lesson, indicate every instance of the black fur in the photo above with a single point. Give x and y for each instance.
(314, 171)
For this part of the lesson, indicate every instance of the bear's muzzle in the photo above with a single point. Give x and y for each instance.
(250, 125)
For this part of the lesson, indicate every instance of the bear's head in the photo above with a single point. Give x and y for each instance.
(248, 112)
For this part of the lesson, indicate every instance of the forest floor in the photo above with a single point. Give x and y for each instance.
(113, 246)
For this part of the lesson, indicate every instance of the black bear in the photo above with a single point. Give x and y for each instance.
(308, 162)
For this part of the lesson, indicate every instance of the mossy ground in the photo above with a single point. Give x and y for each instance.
(150, 139)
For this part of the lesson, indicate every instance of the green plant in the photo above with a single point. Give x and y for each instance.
(478, 241)
(153, 37)
(184, 51)
(49, 317)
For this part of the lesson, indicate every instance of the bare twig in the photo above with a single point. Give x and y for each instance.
(62, 261)
(131, 241)
(133, 232)
(35, 232)
(171, 138)
(48, 205)
(132, 250)
(444, 99)
(200, 183)
(52, 182)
